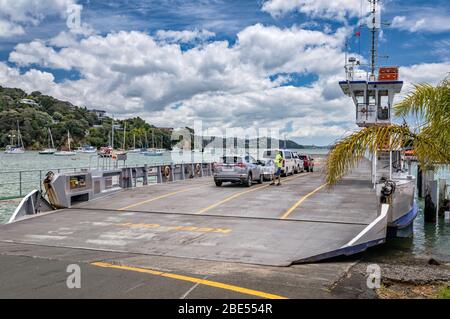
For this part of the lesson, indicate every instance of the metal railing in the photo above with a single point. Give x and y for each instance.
(16, 184)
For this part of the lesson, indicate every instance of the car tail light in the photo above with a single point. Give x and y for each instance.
(241, 165)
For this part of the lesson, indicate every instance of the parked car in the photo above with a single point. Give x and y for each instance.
(299, 165)
(267, 169)
(238, 169)
(288, 163)
(308, 162)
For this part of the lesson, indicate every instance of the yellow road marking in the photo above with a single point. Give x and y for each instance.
(177, 228)
(227, 199)
(158, 197)
(193, 280)
(290, 210)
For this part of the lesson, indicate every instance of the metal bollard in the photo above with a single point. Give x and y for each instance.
(183, 175)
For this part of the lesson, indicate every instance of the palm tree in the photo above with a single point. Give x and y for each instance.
(430, 140)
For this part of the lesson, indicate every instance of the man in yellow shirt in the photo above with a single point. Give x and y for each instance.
(278, 166)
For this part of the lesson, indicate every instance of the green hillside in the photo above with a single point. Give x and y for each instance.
(84, 125)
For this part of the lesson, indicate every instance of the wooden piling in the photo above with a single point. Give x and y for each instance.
(419, 181)
(429, 186)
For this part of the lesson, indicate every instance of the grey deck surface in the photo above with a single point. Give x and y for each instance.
(240, 224)
(255, 241)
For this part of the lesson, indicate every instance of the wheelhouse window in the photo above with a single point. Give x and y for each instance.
(383, 105)
(371, 97)
(359, 95)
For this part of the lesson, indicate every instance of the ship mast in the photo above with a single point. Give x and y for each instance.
(373, 51)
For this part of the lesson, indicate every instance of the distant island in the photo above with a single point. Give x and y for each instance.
(35, 113)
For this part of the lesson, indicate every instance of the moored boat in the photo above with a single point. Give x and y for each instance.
(50, 150)
(153, 152)
(67, 152)
(88, 149)
(15, 148)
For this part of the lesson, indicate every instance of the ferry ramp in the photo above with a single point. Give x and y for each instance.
(302, 220)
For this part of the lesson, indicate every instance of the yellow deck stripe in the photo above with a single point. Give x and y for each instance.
(193, 280)
(290, 210)
(158, 197)
(227, 199)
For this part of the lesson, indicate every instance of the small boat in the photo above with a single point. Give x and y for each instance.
(137, 150)
(51, 145)
(13, 148)
(69, 152)
(154, 152)
(123, 151)
(177, 150)
(105, 151)
(87, 149)
(134, 149)
(48, 151)
(65, 153)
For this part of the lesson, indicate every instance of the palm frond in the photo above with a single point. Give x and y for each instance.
(431, 143)
(347, 152)
(431, 148)
(429, 102)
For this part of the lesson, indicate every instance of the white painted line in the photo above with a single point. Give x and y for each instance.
(365, 231)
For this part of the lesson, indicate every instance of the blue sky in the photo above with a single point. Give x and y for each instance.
(264, 63)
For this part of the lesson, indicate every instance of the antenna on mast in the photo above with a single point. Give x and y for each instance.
(374, 30)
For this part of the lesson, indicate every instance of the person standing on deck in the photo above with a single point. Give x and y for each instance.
(278, 165)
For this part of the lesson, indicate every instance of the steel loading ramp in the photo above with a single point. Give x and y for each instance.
(219, 238)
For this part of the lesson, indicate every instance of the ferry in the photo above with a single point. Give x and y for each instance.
(372, 91)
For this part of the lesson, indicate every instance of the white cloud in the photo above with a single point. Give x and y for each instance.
(30, 81)
(134, 74)
(38, 53)
(8, 29)
(184, 36)
(33, 11)
(431, 73)
(15, 15)
(336, 9)
(424, 21)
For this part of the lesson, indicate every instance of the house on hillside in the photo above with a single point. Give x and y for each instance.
(100, 113)
(29, 102)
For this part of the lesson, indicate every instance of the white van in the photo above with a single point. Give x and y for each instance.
(290, 165)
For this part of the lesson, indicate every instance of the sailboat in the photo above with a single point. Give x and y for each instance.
(51, 145)
(15, 148)
(66, 153)
(106, 151)
(134, 149)
(154, 151)
(123, 150)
